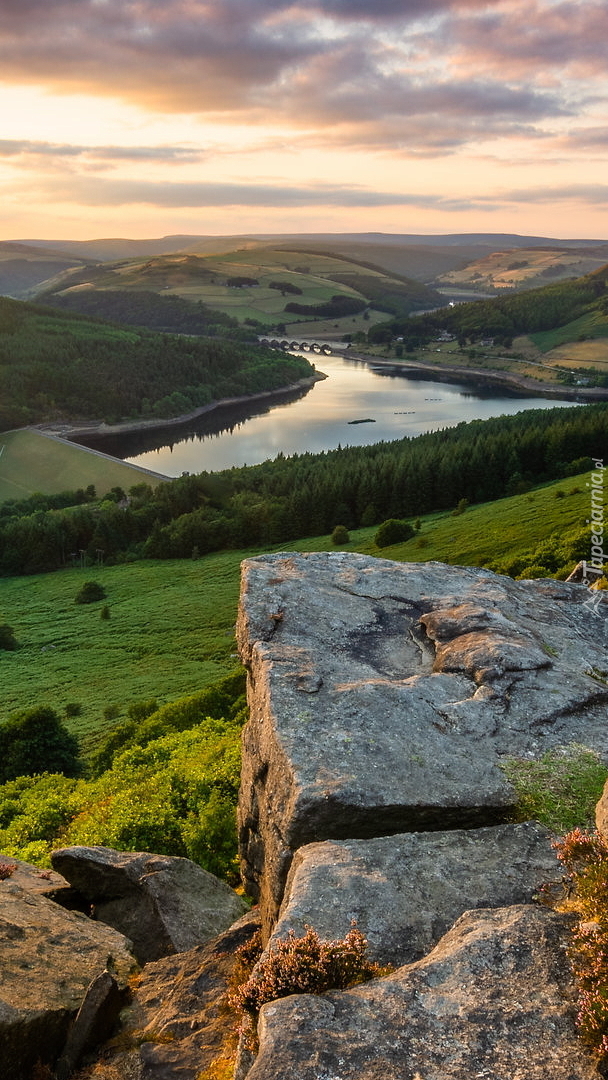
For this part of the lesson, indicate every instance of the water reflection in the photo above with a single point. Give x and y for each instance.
(319, 418)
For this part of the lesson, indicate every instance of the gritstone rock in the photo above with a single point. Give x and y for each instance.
(383, 697)
(164, 904)
(181, 1006)
(49, 958)
(491, 1001)
(405, 891)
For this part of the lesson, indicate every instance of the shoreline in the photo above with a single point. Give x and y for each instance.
(68, 431)
(510, 379)
(520, 384)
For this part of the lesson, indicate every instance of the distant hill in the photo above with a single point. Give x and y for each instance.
(258, 286)
(525, 268)
(23, 268)
(423, 257)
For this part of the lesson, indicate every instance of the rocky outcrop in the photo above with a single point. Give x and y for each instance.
(491, 1001)
(383, 697)
(163, 904)
(405, 891)
(50, 957)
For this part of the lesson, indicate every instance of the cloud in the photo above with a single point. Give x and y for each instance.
(590, 139)
(429, 75)
(537, 38)
(589, 194)
(180, 155)
(109, 192)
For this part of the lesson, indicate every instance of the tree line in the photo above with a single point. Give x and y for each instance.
(59, 366)
(308, 494)
(504, 317)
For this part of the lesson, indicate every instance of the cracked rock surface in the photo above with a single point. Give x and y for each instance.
(405, 891)
(384, 695)
(491, 1001)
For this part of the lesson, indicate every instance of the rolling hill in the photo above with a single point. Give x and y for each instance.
(254, 285)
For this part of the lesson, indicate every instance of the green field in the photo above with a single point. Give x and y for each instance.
(31, 462)
(169, 634)
(171, 623)
(592, 324)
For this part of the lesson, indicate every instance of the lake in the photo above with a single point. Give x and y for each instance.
(317, 419)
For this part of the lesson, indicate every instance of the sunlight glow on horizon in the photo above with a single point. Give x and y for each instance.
(306, 120)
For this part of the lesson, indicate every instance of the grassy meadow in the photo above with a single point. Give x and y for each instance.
(171, 625)
(31, 462)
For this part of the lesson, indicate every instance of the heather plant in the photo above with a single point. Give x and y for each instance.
(306, 965)
(585, 857)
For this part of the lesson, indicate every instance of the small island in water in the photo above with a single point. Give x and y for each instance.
(366, 420)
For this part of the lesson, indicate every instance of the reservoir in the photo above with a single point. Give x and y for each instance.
(354, 406)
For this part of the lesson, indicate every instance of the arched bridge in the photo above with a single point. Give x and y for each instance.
(305, 346)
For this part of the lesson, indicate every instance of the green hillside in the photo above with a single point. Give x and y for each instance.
(536, 311)
(55, 365)
(253, 285)
(32, 462)
(170, 630)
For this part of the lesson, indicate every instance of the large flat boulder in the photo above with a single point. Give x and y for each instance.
(405, 891)
(384, 695)
(50, 956)
(493, 1000)
(162, 903)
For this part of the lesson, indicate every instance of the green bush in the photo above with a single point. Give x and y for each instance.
(340, 535)
(393, 531)
(89, 592)
(176, 796)
(8, 640)
(36, 741)
(532, 572)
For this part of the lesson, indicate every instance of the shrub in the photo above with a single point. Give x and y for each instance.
(393, 531)
(7, 870)
(585, 856)
(36, 741)
(340, 535)
(532, 572)
(73, 708)
(141, 710)
(460, 509)
(306, 965)
(105, 612)
(89, 592)
(8, 640)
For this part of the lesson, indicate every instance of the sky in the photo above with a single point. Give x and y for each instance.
(145, 118)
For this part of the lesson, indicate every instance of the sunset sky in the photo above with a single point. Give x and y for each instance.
(155, 117)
